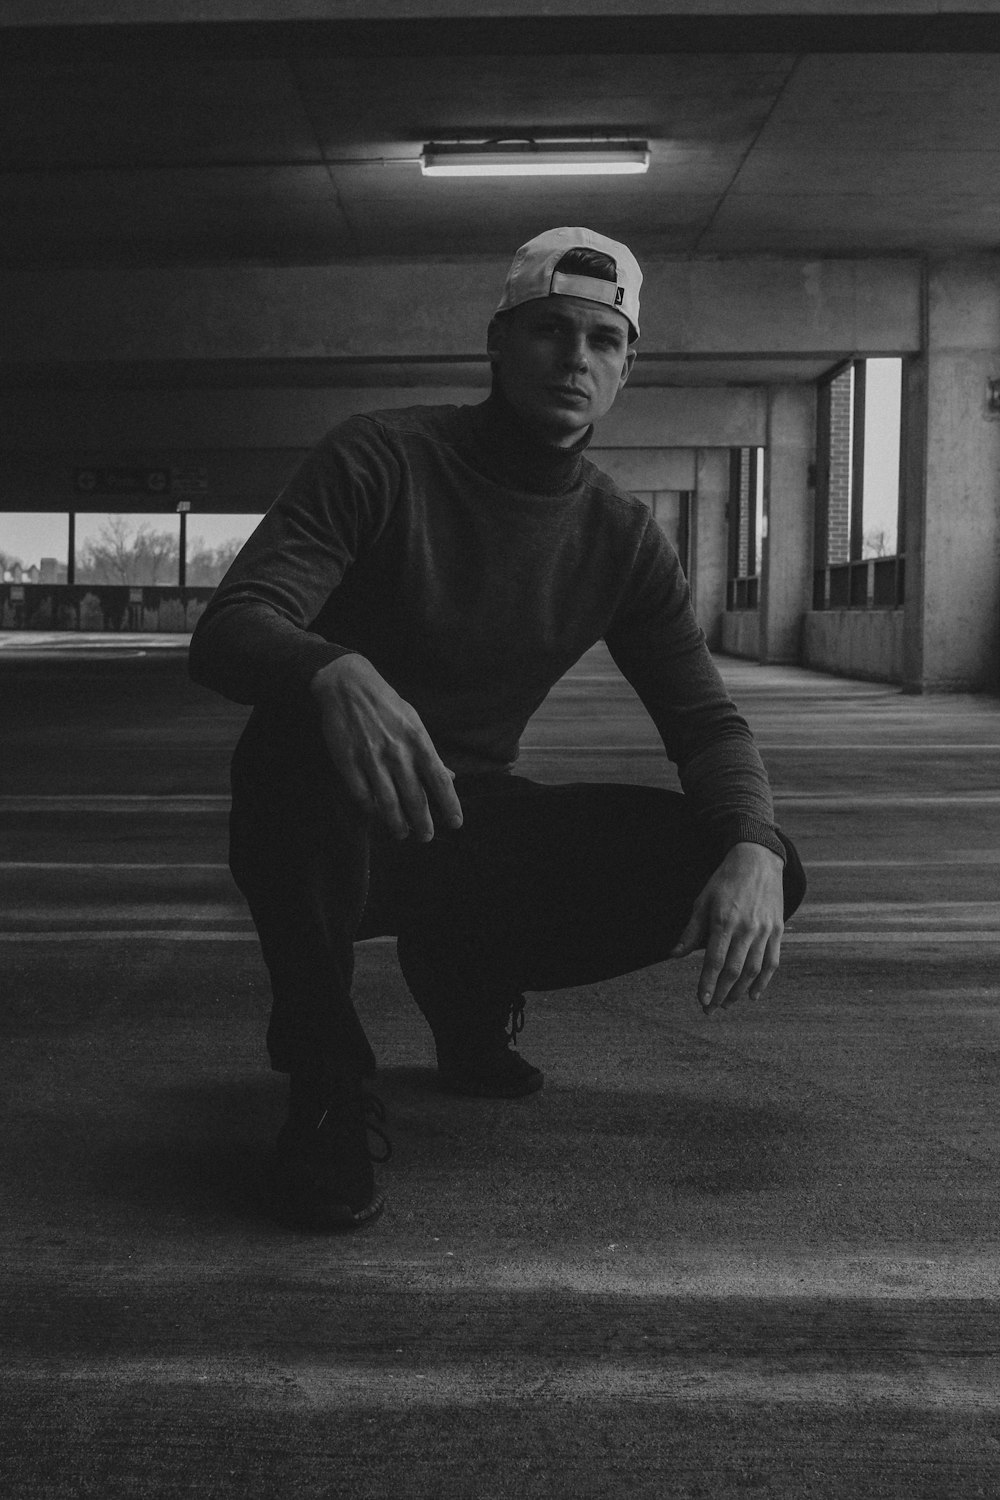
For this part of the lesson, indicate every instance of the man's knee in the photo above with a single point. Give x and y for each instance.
(794, 879)
(292, 827)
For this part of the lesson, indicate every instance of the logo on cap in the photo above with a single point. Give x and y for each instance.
(619, 296)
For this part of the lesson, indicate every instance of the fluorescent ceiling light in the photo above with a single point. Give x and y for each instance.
(534, 159)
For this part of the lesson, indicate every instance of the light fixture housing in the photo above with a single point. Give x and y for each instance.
(533, 158)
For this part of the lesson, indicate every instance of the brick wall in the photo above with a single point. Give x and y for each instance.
(839, 516)
(744, 513)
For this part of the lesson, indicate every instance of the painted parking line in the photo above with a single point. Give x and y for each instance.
(954, 857)
(937, 861)
(941, 916)
(908, 747)
(462, 1379)
(108, 864)
(132, 935)
(131, 802)
(905, 911)
(111, 802)
(202, 803)
(972, 937)
(78, 913)
(886, 799)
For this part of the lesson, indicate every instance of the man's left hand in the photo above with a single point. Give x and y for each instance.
(738, 919)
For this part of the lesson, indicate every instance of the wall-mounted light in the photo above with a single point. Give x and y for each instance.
(533, 158)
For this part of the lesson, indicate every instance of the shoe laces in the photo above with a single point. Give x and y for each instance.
(374, 1120)
(374, 1112)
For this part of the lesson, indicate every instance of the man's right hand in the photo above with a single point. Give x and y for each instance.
(382, 750)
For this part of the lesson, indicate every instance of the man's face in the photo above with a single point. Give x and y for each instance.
(561, 361)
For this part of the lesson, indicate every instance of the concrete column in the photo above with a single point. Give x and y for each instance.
(709, 539)
(952, 473)
(786, 564)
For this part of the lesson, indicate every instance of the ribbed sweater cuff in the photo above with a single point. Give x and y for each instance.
(316, 656)
(748, 830)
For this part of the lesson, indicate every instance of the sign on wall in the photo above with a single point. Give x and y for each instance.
(134, 479)
(121, 480)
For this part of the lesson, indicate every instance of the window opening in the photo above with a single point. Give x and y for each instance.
(212, 543)
(672, 511)
(112, 548)
(880, 469)
(33, 547)
(746, 527)
(113, 570)
(858, 493)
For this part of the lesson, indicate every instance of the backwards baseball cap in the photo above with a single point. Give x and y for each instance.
(535, 273)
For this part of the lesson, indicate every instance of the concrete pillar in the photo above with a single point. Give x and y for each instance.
(786, 562)
(952, 476)
(709, 539)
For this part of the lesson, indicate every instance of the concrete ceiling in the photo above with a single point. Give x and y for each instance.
(813, 132)
(284, 144)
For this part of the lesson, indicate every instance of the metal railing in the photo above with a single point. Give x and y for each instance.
(872, 583)
(743, 593)
(101, 607)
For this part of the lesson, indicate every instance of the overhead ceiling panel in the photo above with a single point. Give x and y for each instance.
(872, 154)
(842, 224)
(171, 216)
(931, 178)
(91, 112)
(229, 152)
(888, 103)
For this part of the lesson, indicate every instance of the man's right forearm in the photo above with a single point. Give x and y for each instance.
(250, 653)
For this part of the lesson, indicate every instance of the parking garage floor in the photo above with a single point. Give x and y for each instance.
(754, 1254)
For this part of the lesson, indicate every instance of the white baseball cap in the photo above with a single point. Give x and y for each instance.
(534, 273)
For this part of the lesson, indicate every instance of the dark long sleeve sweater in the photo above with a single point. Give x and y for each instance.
(473, 567)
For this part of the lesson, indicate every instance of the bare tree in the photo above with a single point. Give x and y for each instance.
(878, 543)
(127, 553)
(156, 554)
(107, 559)
(206, 565)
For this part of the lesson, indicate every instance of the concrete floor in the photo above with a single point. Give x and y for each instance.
(749, 1255)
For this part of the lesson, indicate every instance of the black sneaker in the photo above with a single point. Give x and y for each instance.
(324, 1179)
(487, 1065)
(475, 1048)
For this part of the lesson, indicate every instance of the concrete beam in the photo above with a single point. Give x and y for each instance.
(253, 476)
(55, 13)
(197, 420)
(666, 417)
(243, 480)
(642, 418)
(646, 470)
(409, 309)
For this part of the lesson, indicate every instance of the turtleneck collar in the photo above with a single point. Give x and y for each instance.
(505, 449)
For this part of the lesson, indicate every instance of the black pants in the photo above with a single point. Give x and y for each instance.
(542, 887)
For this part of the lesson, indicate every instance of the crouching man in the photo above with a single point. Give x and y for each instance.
(395, 620)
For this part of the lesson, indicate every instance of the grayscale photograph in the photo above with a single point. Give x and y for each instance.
(500, 749)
